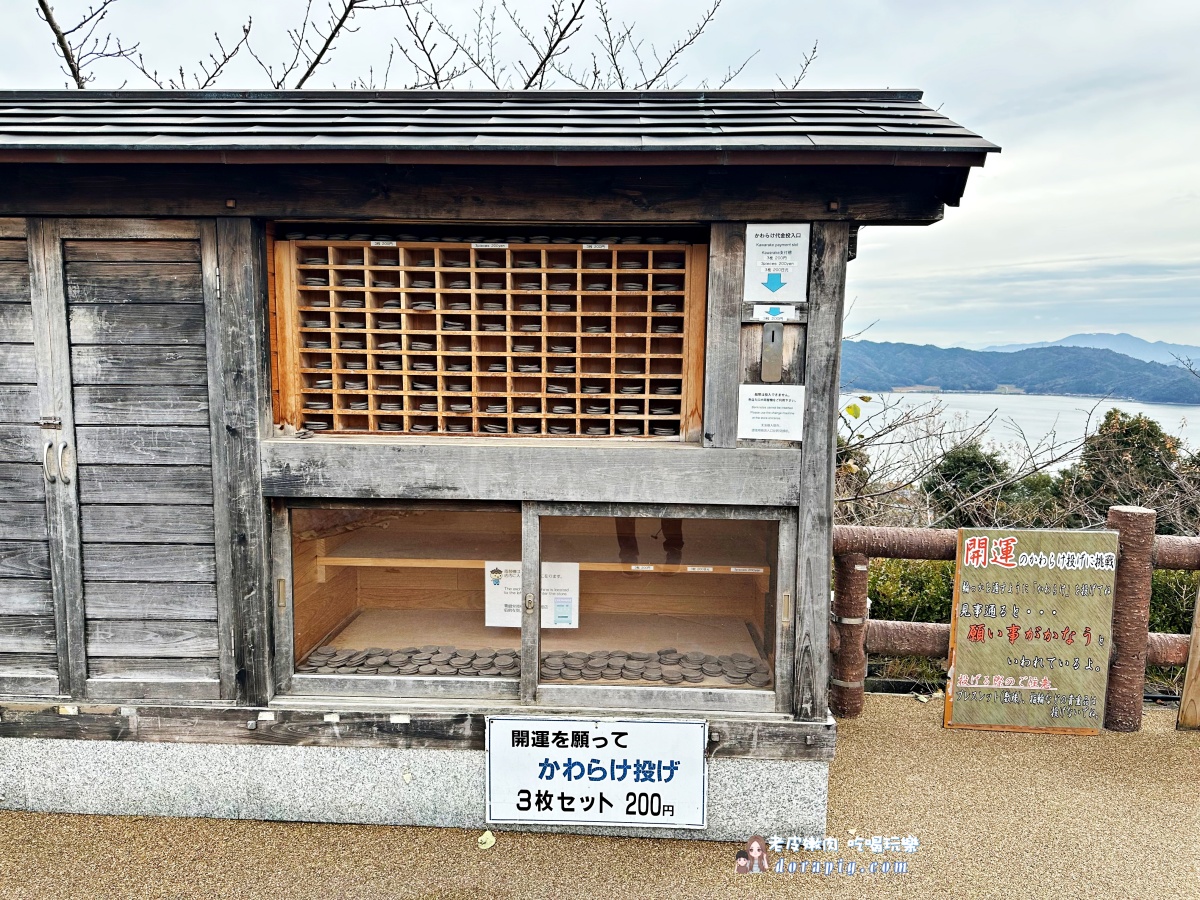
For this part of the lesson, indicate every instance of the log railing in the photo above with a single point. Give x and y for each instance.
(853, 635)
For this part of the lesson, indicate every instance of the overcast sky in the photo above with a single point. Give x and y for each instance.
(1088, 221)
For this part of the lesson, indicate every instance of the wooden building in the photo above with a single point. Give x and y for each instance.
(286, 378)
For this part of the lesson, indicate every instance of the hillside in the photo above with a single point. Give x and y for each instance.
(1127, 344)
(870, 366)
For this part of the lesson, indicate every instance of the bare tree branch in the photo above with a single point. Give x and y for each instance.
(807, 60)
(665, 66)
(423, 58)
(556, 32)
(80, 53)
(211, 69)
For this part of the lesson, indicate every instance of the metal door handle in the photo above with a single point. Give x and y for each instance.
(50, 476)
(62, 472)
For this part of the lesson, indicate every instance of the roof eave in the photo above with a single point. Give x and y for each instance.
(949, 157)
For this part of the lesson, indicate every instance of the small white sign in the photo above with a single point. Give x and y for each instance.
(560, 595)
(595, 246)
(770, 412)
(489, 246)
(383, 243)
(776, 264)
(502, 594)
(557, 771)
(769, 312)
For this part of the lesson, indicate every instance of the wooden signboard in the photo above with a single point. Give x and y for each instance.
(1031, 630)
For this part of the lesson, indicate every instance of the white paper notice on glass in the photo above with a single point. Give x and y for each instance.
(776, 264)
(502, 594)
(770, 412)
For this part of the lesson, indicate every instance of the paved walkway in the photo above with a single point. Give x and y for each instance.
(998, 816)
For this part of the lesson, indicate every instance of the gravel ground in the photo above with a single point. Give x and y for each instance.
(998, 815)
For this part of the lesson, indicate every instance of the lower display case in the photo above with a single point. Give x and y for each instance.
(426, 600)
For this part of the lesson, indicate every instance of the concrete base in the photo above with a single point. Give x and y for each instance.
(443, 788)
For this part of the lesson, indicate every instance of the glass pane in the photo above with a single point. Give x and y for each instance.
(661, 602)
(400, 591)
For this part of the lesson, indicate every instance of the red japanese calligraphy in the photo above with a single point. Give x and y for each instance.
(1004, 552)
(976, 553)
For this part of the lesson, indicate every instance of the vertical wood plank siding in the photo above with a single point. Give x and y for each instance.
(137, 320)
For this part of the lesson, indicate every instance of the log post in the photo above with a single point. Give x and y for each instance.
(849, 668)
(1131, 616)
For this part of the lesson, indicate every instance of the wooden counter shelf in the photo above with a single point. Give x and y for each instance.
(412, 550)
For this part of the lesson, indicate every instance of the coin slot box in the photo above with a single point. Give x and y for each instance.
(311, 257)
(491, 302)
(597, 261)
(455, 259)
(490, 260)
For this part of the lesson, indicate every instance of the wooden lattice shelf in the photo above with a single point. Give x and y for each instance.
(497, 339)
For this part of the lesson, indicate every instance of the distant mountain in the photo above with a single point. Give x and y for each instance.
(870, 366)
(1147, 351)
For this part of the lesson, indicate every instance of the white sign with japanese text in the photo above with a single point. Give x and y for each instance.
(502, 594)
(555, 771)
(770, 412)
(776, 264)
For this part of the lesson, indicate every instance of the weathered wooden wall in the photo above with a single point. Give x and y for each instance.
(28, 641)
(139, 370)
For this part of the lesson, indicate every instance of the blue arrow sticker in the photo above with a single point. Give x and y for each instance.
(774, 282)
(774, 311)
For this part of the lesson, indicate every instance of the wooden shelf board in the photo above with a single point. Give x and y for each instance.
(385, 549)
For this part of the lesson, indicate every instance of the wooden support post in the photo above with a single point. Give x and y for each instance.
(726, 268)
(849, 670)
(1189, 700)
(240, 414)
(1131, 616)
(826, 292)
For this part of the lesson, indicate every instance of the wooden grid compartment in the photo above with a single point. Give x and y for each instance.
(553, 340)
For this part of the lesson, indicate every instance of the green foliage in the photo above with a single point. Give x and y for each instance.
(1173, 601)
(913, 590)
(958, 487)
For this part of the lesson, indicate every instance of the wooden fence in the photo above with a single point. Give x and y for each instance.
(853, 635)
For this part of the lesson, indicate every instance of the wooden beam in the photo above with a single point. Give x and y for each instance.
(420, 728)
(548, 195)
(507, 469)
(826, 293)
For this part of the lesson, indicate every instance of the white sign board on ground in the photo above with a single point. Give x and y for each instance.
(555, 771)
(770, 412)
(502, 594)
(776, 264)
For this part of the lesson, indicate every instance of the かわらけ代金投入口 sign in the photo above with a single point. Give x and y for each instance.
(1030, 631)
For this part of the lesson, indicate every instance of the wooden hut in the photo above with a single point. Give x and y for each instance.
(341, 423)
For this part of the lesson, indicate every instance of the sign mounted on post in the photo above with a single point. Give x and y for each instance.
(555, 771)
(770, 412)
(776, 264)
(1030, 631)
